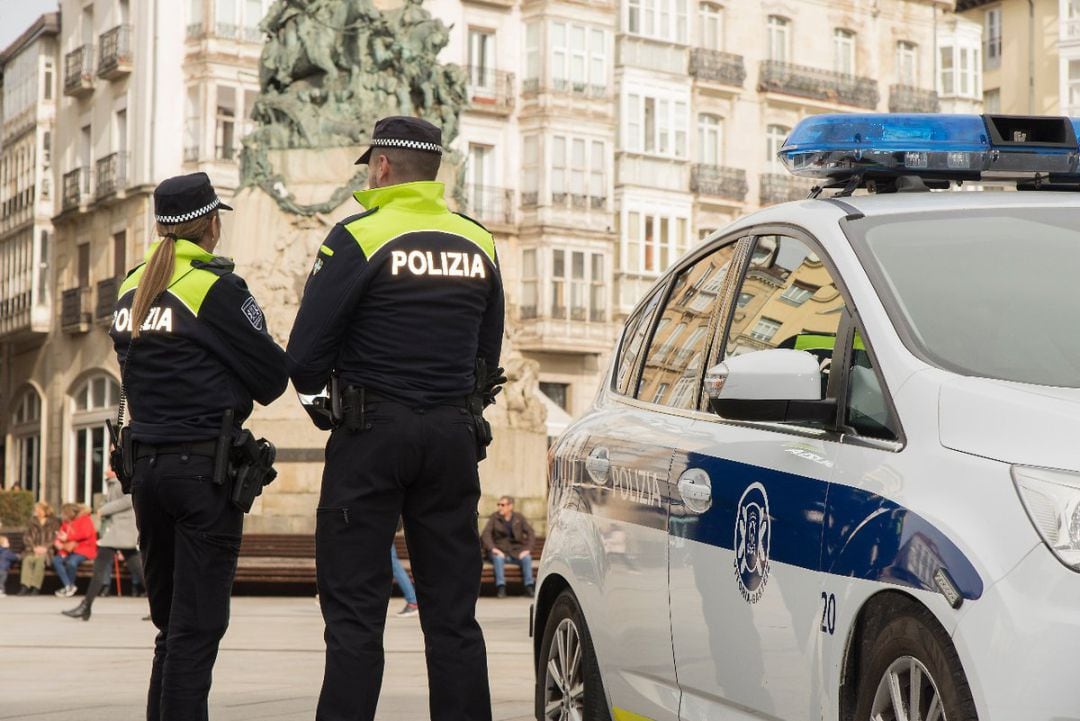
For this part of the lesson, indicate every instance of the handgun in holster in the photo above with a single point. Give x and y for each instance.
(122, 454)
(476, 410)
(253, 468)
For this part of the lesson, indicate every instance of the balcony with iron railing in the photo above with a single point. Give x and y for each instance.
(111, 174)
(75, 312)
(76, 190)
(79, 71)
(816, 84)
(224, 31)
(107, 291)
(489, 204)
(714, 66)
(564, 86)
(116, 55)
(781, 188)
(490, 90)
(505, 4)
(719, 181)
(909, 99)
(576, 329)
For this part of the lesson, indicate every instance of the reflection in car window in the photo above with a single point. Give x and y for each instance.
(674, 363)
(788, 299)
(867, 410)
(633, 339)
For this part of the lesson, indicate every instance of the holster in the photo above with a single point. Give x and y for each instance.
(122, 455)
(352, 408)
(476, 410)
(251, 468)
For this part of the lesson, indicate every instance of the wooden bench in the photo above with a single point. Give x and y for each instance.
(270, 559)
(52, 582)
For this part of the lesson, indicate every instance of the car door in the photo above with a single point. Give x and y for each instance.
(744, 576)
(627, 457)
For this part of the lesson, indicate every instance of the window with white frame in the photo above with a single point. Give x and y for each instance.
(532, 56)
(907, 68)
(711, 26)
(659, 19)
(651, 241)
(992, 101)
(26, 441)
(578, 169)
(778, 38)
(1074, 87)
(775, 135)
(656, 124)
(578, 57)
(192, 119)
(992, 35)
(530, 170)
(225, 129)
(797, 293)
(960, 72)
(238, 19)
(844, 51)
(481, 60)
(93, 402)
(765, 329)
(710, 139)
(530, 284)
(578, 285)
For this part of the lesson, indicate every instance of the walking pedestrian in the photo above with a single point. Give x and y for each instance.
(194, 354)
(404, 308)
(118, 535)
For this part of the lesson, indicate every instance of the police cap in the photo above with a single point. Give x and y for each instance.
(185, 198)
(400, 131)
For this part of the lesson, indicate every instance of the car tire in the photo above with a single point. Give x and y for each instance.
(566, 628)
(911, 651)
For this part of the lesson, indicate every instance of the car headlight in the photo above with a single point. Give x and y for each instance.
(1052, 501)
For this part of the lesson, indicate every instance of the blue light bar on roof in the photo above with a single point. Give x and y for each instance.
(943, 146)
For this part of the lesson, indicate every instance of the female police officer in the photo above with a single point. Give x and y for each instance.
(192, 344)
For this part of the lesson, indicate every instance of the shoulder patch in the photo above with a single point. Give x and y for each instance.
(253, 313)
(473, 221)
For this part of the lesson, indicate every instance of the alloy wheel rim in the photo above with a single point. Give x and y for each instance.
(907, 692)
(564, 683)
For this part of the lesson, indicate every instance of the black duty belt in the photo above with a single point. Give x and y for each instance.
(374, 397)
(189, 448)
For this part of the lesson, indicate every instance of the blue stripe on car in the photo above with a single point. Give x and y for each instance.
(829, 528)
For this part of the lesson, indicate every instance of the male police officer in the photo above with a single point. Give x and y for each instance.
(402, 301)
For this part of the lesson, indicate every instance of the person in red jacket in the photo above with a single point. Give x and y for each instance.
(76, 541)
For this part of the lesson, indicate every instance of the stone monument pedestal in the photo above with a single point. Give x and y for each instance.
(274, 251)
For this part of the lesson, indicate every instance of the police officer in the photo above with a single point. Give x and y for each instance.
(193, 346)
(402, 300)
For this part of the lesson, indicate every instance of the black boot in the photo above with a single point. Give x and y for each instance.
(81, 611)
(24, 591)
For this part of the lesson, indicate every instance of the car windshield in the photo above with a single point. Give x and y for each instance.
(990, 293)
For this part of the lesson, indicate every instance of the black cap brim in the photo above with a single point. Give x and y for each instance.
(222, 206)
(366, 157)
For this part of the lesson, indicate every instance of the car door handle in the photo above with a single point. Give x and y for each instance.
(598, 465)
(695, 487)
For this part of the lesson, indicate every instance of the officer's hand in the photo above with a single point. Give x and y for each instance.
(496, 377)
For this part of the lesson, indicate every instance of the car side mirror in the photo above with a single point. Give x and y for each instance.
(777, 384)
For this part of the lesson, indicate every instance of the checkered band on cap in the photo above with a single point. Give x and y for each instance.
(185, 217)
(410, 144)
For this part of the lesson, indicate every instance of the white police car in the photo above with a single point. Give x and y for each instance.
(834, 472)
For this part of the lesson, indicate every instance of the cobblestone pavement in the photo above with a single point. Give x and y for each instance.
(269, 668)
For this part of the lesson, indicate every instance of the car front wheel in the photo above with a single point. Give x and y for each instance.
(568, 684)
(913, 672)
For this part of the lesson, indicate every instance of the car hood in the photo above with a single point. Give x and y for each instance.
(1011, 422)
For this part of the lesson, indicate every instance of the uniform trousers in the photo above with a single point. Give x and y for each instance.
(189, 535)
(419, 464)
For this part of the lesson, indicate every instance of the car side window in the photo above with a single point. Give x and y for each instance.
(788, 299)
(637, 328)
(866, 407)
(674, 364)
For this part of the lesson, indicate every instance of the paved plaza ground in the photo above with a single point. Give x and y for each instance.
(53, 668)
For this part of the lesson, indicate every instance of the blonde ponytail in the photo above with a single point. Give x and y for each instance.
(155, 280)
(159, 270)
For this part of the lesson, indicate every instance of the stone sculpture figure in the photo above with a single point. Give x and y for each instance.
(330, 68)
